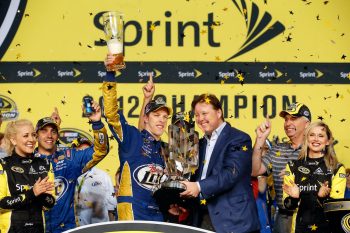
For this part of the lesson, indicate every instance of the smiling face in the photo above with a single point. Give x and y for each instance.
(156, 122)
(47, 137)
(24, 140)
(207, 118)
(295, 126)
(317, 140)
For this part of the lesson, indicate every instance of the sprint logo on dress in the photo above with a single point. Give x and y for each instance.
(149, 175)
(21, 187)
(308, 188)
(319, 171)
(303, 170)
(61, 187)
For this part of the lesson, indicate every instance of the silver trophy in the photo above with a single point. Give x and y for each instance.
(181, 160)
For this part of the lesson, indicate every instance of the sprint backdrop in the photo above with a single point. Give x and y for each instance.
(256, 56)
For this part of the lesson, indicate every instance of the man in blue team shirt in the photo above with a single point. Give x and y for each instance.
(68, 165)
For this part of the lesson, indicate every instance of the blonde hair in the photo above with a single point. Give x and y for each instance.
(330, 157)
(11, 132)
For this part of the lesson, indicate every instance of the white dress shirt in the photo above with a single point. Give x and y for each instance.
(211, 141)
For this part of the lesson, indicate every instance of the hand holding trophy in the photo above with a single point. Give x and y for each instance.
(114, 31)
(181, 160)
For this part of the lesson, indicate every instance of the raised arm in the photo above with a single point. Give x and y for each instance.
(101, 145)
(148, 92)
(262, 132)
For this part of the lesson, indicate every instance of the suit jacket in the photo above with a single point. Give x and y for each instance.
(227, 186)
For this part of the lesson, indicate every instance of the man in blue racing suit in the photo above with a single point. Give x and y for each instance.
(68, 165)
(141, 163)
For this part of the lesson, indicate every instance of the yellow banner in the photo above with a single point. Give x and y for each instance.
(182, 30)
(244, 106)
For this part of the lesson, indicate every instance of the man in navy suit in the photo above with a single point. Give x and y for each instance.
(222, 181)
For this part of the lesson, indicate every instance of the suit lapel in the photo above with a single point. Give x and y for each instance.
(220, 143)
(202, 149)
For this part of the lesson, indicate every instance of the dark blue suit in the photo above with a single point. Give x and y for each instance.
(227, 187)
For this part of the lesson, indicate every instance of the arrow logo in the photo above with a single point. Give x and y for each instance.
(198, 73)
(36, 72)
(76, 72)
(319, 73)
(158, 73)
(278, 73)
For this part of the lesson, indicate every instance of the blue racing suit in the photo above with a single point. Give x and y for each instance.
(68, 165)
(141, 162)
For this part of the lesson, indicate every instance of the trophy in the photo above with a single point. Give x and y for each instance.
(181, 160)
(114, 31)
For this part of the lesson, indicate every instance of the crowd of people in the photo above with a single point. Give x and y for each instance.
(238, 187)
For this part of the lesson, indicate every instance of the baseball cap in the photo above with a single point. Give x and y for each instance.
(298, 110)
(45, 121)
(157, 104)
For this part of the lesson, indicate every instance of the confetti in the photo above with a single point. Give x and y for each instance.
(152, 27)
(244, 148)
(320, 118)
(203, 202)
(29, 110)
(343, 57)
(313, 227)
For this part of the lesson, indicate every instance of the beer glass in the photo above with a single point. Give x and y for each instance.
(114, 31)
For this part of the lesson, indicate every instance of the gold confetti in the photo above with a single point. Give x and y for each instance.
(244, 148)
(152, 27)
(278, 153)
(207, 100)
(304, 178)
(203, 31)
(203, 202)
(314, 227)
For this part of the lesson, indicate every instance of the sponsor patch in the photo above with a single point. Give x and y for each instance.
(303, 170)
(17, 169)
(342, 175)
(287, 173)
(149, 175)
(61, 157)
(319, 171)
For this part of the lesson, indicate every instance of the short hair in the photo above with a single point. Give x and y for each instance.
(209, 99)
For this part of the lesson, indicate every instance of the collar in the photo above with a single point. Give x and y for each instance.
(217, 131)
(149, 136)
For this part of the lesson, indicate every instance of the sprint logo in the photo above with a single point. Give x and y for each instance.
(68, 73)
(28, 73)
(260, 26)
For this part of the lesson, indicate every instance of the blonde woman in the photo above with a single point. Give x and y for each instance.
(314, 177)
(26, 182)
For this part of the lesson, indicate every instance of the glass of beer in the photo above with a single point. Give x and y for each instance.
(114, 31)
